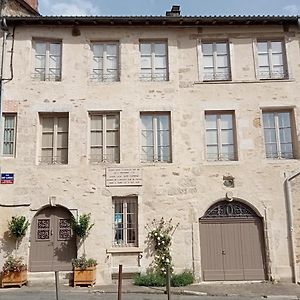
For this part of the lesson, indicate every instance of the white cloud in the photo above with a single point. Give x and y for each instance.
(71, 8)
(292, 9)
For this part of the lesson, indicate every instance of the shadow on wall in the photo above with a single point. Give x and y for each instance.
(7, 244)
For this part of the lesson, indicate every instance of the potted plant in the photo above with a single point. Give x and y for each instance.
(14, 271)
(84, 268)
(84, 271)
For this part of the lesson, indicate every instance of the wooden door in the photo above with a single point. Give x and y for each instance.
(52, 243)
(232, 244)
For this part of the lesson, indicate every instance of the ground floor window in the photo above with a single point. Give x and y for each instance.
(125, 222)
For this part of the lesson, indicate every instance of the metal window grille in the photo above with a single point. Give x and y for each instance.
(278, 135)
(47, 61)
(54, 148)
(9, 134)
(216, 62)
(104, 138)
(154, 61)
(272, 62)
(156, 138)
(220, 136)
(105, 62)
(125, 232)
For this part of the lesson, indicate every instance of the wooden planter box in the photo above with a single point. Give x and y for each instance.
(14, 278)
(85, 277)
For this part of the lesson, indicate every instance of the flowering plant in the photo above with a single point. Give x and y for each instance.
(83, 263)
(160, 234)
(14, 264)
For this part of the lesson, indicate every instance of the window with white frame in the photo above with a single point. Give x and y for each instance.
(47, 64)
(105, 61)
(156, 137)
(9, 134)
(154, 61)
(216, 61)
(272, 63)
(104, 137)
(220, 136)
(125, 223)
(278, 133)
(54, 141)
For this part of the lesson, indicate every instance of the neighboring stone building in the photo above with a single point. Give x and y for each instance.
(19, 7)
(134, 118)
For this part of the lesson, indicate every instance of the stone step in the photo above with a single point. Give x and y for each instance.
(48, 278)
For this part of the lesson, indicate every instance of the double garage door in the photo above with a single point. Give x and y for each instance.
(232, 249)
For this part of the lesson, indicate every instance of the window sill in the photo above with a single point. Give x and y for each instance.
(244, 81)
(221, 162)
(281, 161)
(124, 250)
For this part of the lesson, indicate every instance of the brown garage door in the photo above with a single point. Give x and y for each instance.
(232, 244)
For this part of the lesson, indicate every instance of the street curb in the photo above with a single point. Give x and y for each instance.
(290, 297)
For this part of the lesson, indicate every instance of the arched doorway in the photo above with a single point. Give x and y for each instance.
(53, 245)
(232, 243)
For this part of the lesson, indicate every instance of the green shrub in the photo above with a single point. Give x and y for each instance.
(83, 263)
(18, 226)
(182, 279)
(151, 279)
(155, 279)
(82, 226)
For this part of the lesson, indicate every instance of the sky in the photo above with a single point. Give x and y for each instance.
(159, 7)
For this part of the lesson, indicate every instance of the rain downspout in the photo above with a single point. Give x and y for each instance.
(289, 202)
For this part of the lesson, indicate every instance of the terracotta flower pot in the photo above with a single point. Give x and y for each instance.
(14, 278)
(85, 277)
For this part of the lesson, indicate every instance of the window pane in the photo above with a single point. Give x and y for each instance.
(40, 48)
(207, 49)
(228, 152)
(287, 151)
(147, 138)
(96, 154)
(270, 135)
(62, 140)
(98, 50)
(146, 62)
(263, 60)
(112, 154)
(271, 151)
(96, 138)
(62, 156)
(277, 59)
(47, 156)
(160, 49)
(147, 122)
(48, 124)
(269, 120)
(212, 152)
(63, 124)
(222, 61)
(112, 138)
(163, 138)
(111, 50)
(47, 140)
(112, 122)
(147, 153)
(262, 47)
(40, 61)
(96, 122)
(226, 121)
(55, 49)
(211, 137)
(112, 63)
(163, 122)
(211, 121)
(160, 62)
(227, 136)
(285, 135)
(276, 47)
(145, 48)
(164, 154)
(221, 48)
(284, 119)
(208, 61)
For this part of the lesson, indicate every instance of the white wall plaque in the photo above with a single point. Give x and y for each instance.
(123, 176)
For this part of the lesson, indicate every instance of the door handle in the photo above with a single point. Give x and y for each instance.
(223, 252)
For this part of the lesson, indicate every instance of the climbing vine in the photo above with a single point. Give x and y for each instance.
(160, 234)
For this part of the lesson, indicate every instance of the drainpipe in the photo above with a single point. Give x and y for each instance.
(289, 202)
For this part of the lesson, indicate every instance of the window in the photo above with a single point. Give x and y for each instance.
(156, 137)
(105, 62)
(9, 134)
(105, 139)
(154, 61)
(54, 144)
(47, 61)
(220, 136)
(278, 134)
(216, 63)
(125, 231)
(271, 60)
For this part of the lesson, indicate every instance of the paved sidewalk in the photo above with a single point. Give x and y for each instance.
(264, 289)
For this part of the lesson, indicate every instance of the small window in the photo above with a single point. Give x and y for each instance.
(54, 143)
(47, 64)
(9, 134)
(105, 62)
(278, 133)
(125, 230)
(156, 137)
(104, 137)
(216, 62)
(272, 62)
(220, 136)
(154, 61)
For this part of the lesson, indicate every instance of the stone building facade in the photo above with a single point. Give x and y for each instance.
(133, 118)
(19, 7)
